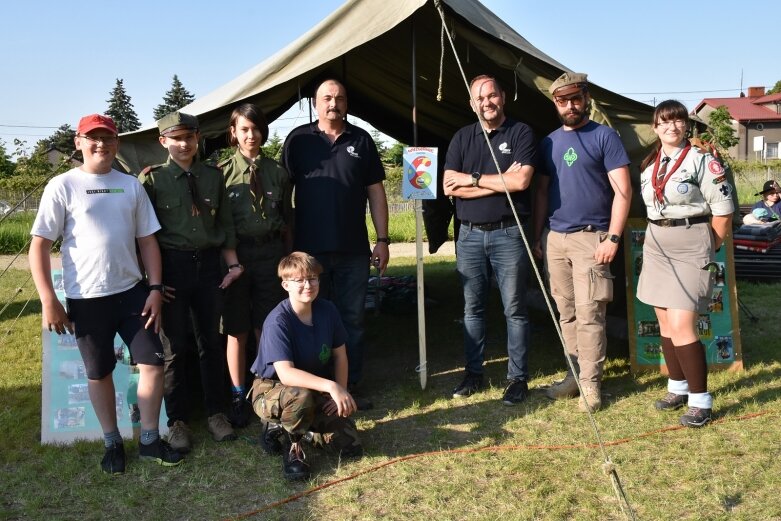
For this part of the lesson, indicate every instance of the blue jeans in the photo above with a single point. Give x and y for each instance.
(344, 281)
(478, 253)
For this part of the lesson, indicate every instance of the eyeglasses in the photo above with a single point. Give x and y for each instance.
(671, 123)
(577, 99)
(314, 281)
(107, 140)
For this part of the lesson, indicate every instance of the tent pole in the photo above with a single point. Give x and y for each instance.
(422, 368)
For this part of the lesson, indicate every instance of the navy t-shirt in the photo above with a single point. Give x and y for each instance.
(330, 188)
(577, 162)
(468, 153)
(286, 338)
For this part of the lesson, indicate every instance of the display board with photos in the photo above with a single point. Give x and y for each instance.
(66, 412)
(718, 327)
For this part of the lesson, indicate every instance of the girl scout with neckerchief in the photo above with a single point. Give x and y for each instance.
(687, 198)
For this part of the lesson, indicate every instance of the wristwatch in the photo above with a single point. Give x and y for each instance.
(614, 238)
(235, 266)
(476, 178)
(386, 240)
(157, 287)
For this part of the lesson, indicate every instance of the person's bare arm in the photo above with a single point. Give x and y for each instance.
(378, 207)
(720, 224)
(622, 196)
(54, 316)
(291, 376)
(150, 255)
(517, 177)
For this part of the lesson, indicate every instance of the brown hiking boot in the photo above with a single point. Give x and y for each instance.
(567, 388)
(592, 396)
(220, 428)
(179, 437)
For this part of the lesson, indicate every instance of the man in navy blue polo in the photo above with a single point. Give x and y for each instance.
(489, 240)
(335, 168)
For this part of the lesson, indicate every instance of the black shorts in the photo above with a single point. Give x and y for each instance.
(96, 322)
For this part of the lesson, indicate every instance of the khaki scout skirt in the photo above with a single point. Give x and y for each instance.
(675, 267)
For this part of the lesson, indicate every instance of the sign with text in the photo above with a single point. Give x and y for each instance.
(717, 327)
(419, 180)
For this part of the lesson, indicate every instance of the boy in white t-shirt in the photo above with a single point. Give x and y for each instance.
(100, 213)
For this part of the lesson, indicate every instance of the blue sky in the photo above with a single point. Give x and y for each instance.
(61, 59)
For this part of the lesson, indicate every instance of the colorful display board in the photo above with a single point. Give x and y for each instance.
(718, 327)
(420, 173)
(66, 411)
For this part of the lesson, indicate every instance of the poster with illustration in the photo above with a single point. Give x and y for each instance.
(419, 180)
(717, 328)
(66, 411)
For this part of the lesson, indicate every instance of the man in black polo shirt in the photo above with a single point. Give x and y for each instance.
(489, 240)
(335, 168)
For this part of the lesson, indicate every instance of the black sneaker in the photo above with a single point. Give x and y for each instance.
(696, 417)
(113, 461)
(671, 401)
(515, 392)
(271, 437)
(294, 463)
(239, 414)
(160, 452)
(469, 385)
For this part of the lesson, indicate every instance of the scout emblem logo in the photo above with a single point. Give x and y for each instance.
(351, 151)
(504, 149)
(683, 188)
(715, 167)
(325, 354)
(571, 156)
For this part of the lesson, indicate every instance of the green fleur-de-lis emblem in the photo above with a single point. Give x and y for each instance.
(571, 156)
(325, 354)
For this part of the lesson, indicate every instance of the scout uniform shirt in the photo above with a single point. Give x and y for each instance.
(263, 215)
(698, 187)
(183, 226)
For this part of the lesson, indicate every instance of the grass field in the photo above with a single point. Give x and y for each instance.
(428, 456)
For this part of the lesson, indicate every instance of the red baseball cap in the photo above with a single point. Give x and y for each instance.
(95, 121)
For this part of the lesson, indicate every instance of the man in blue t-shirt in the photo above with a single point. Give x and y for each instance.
(584, 194)
(489, 240)
(301, 369)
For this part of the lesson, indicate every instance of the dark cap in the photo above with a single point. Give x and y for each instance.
(96, 121)
(177, 121)
(569, 83)
(768, 188)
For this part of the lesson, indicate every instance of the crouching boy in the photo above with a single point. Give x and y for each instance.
(301, 369)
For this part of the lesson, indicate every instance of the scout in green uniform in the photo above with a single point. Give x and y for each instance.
(260, 195)
(192, 206)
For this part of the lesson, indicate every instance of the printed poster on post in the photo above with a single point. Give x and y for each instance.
(419, 180)
(718, 327)
(66, 410)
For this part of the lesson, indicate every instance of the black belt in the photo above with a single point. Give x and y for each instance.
(196, 255)
(590, 228)
(255, 240)
(505, 222)
(687, 221)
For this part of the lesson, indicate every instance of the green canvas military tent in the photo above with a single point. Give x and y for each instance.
(368, 44)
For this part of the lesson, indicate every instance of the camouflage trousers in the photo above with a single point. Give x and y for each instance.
(299, 410)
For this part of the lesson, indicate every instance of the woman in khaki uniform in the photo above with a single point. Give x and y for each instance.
(687, 198)
(260, 195)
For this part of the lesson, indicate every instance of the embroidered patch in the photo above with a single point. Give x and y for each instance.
(715, 167)
(504, 149)
(725, 190)
(719, 179)
(570, 156)
(325, 354)
(683, 188)
(351, 151)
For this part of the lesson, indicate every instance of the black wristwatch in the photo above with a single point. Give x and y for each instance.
(157, 287)
(614, 238)
(386, 240)
(476, 178)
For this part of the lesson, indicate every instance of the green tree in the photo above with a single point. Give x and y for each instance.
(176, 98)
(6, 165)
(273, 147)
(720, 131)
(776, 88)
(120, 109)
(394, 154)
(378, 142)
(62, 140)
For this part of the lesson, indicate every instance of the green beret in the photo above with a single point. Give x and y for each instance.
(177, 121)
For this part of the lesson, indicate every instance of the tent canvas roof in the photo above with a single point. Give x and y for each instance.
(375, 64)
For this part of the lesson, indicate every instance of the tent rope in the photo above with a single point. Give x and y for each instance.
(441, 60)
(608, 466)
